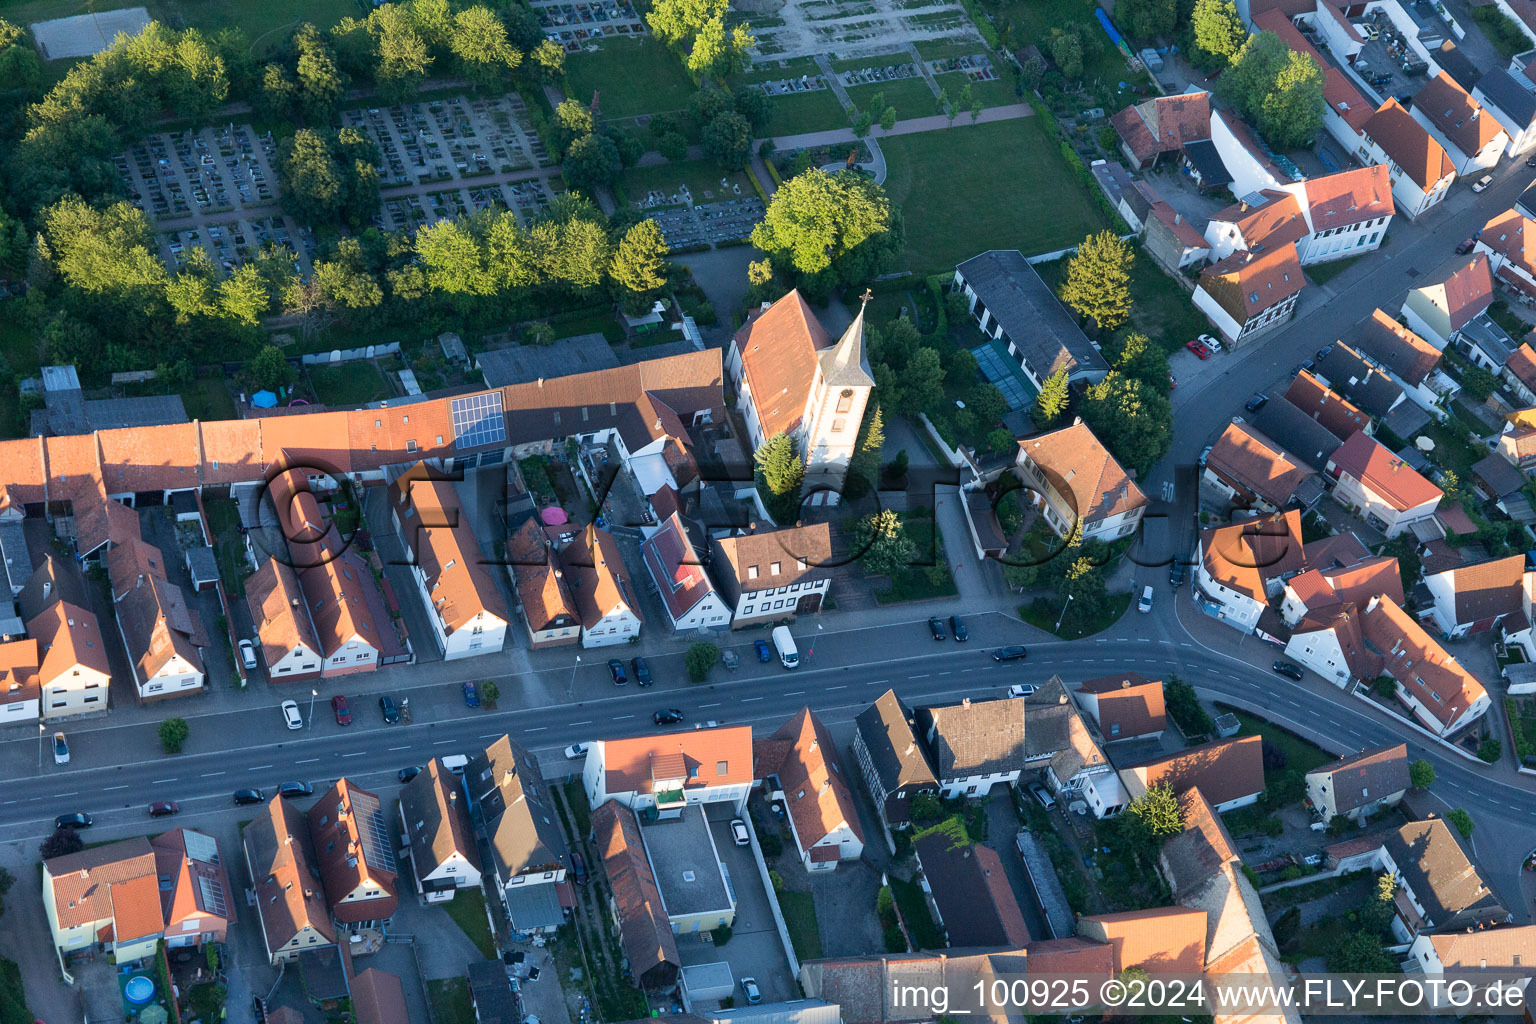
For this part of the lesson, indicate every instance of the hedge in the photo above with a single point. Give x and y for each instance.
(773, 172)
(983, 24)
(757, 186)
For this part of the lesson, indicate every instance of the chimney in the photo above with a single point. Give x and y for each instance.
(47, 589)
(541, 382)
(1125, 684)
(965, 702)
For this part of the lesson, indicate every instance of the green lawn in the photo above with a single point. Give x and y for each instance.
(996, 93)
(1287, 785)
(930, 575)
(450, 1001)
(1160, 308)
(915, 915)
(801, 112)
(467, 908)
(971, 188)
(1044, 613)
(701, 176)
(631, 76)
(228, 547)
(910, 96)
(775, 70)
(1325, 272)
(257, 19)
(348, 383)
(800, 918)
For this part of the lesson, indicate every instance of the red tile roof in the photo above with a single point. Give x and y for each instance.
(676, 567)
(1163, 940)
(1396, 347)
(1522, 365)
(447, 553)
(115, 882)
(816, 789)
(1409, 145)
(1337, 414)
(1182, 229)
(68, 636)
(1245, 284)
(1272, 223)
(1506, 235)
(1249, 459)
(1349, 197)
(1386, 475)
(1129, 705)
(1164, 124)
(1081, 468)
(705, 757)
(597, 576)
(338, 605)
(541, 589)
(1222, 771)
(778, 349)
(1468, 291)
(18, 671)
(277, 608)
(351, 837)
(1420, 665)
(1241, 556)
(1459, 117)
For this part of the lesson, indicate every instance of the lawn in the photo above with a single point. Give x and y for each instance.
(996, 93)
(971, 188)
(1451, 449)
(801, 112)
(1043, 614)
(1325, 272)
(631, 76)
(777, 70)
(701, 176)
(224, 524)
(467, 908)
(1159, 307)
(800, 918)
(348, 383)
(1288, 785)
(594, 323)
(257, 19)
(915, 915)
(910, 96)
(929, 576)
(450, 1001)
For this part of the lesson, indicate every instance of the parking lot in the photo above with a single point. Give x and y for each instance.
(573, 25)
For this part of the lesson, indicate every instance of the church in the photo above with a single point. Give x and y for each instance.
(791, 378)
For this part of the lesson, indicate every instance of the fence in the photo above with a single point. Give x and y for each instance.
(773, 897)
(347, 355)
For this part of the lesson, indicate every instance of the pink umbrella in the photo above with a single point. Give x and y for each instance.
(554, 515)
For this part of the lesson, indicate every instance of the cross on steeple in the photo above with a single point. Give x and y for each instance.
(864, 299)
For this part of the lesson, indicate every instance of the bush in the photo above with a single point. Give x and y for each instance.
(1291, 873)
(701, 657)
(1385, 687)
(926, 809)
(64, 841)
(1490, 750)
(721, 935)
(1462, 820)
(173, 734)
(1184, 706)
(490, 692)
(777, 880)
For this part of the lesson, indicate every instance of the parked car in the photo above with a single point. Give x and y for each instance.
(248, 655)
(642, 671)
(754, 994)
(1256, 403)
(764, 652)
(616, 669)
(1306, 366)
(248, 796)
(1324, 352)
(1290, 669)
(1042, 794)
(164, 808)
(667, 716)
(1198, 349)
(60, 749)
(1210, 342)
(1481, 184)
(958, 628)
(1176, 573)
(292, 717)
(407, 774)
(1145, 604)
(1014, 652)
(389, 709)
(1530, 161)
(576, 750)
(471, 694)
(79, 819)
(1466, 246)
(1021, 690)
(579, 869)
(739, 832)
(936, 627)
(340, 709)
(1205, 453)
(290, 790)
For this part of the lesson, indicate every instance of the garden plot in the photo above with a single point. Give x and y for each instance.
(851, 29)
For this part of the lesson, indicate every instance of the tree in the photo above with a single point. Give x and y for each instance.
(728, 139)
(243, 296)
(1219, 32)
(697, 28)
(549, 58)
(1462, 820)
(926, 808)
(592, 162)
(319, 81)
(754, 105)
(1490, 750)
(1279, 90)
(1052, 399)
(887, 549)
(922, 382)
(1136, 356)
(490, 692)
(1360, 953)
(1421, 774)
(673, 146)
(640, 261)
(268, 369)
(1134, 422)
(1157, 811)
(329, 176)
(1147, 19)
(1098, 281)
(815, 220)
(701, 657)
(173, 733)
(1067, 52)
(63, 842)
(481, 48)
(781, 471)
(1477, 382)
(573, 120)
(402, 53)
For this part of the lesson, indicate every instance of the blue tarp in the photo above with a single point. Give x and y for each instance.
(264, 400)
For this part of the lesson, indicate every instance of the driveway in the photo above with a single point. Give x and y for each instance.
(99, 994)
(1002, 827)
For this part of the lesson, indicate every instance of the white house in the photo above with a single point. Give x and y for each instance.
(974, 745)
(20, 694)
(602, 588)
(800, 769)
(1463, 956)
(1438, 311)
(1074, 481)
(1511, 99)
(690, 599)
(435, 828)
(771, 576)
(466, 610)
(1250, 165)
(1472, 138)
(1359, 786)
(1421, 170)
(1240, 567)
(1442, 695)
(1228, 773)
(1372, 481)
(285, 634)
(1248, 294)
(1328, 218)
(667, 771)
(1473, 598)
(1511, 251)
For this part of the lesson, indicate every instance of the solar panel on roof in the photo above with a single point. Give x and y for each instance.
(477, 419)
(201, 847)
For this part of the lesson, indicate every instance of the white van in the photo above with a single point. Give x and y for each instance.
(789, 657)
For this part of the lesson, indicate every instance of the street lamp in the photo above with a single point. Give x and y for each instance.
(571, 690)
(312, 695)
(42, 730)
(1063, 614)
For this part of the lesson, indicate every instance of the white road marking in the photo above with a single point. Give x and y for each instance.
(925, 675)
(749, 700)
(355, 753)
(714, 705)
(491, 734)
(72, 793)
(157, 782)
(837, 687)
(211, 775)
(620, 718)
(307, 760)
(537, 728)
(407, 746)
(109, 789)
(791, 693)
(435, 743)
(263, 767)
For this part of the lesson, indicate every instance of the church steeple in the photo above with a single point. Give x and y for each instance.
(845, 364)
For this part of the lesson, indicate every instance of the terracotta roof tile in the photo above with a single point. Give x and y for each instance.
(113, 882)
(1346, 623)
(541, 589)
(1409, 145)
(231, 450)
(1129, 705)
(1349, 197)
(338, 607)
(675, 567)
(1268, 225)
(314, 441)
(1245, 283)
(1458, 116)
(1468, 291)
(18, 671)
(1506, 235)
(1522, 365)
(277, 608)
(597, 576)
(709, 757)
(1182, 229)
(1164, 124)
(68, 636)
(352, 847)
(1248, 458)
(778, 349)
(1195, 855)
(23, 478)
(746, 563)
(159, 627)
(1073, 955)
(1077, 465)
(1510, 946)
(288, 894)
(1222, 771)
(165, 457)
(1163, 940)
(446, 551)
(1341, 418)
(1420, 665)
(1242, 555)
(433, 805)
(1387, 476)
(1486, 589)
(196, 880)
(644, 930)
(815, 788)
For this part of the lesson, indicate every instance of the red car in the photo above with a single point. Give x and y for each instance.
(1198, 349)
(1466, 246)
(164, 808)
(343, 713)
